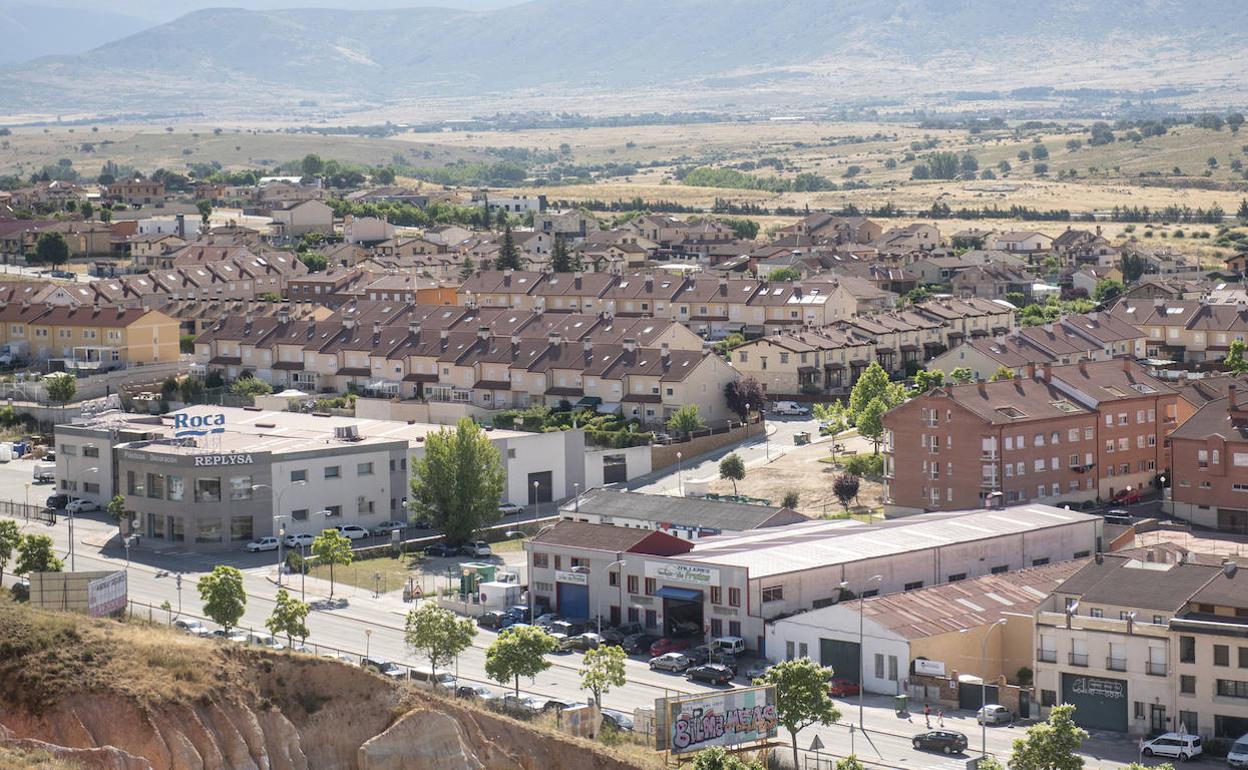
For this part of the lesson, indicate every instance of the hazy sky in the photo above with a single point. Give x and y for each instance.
(165, 10)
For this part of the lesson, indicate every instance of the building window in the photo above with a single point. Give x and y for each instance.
(541, 560)
(631, 584)
(1096, 612)
(333, 510)
(207, 491)
(613, 579)
(1139, 709)
(1221, 655)
(1000, 569)
(773, 594)
(1187, 684)
(1229, 688)
(1190, 720)
(651, 586)
(240, 488)
(734, 597)
(90, 451)
(879, 666)
(1243, 657)
(717, 595)
(916, 585)
(1048, 698)
(1039, 562)
(155, 486)
(333, 472)
(299, 514)
(298, 476)
(364, 469)
(956, 577)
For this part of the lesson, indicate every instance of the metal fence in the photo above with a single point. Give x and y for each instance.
(27, 511)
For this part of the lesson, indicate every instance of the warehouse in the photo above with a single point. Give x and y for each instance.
(733, 584)
(208, 477)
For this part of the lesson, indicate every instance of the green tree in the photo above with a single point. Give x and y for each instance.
(560, 260)
(51, 249)
(312, 165)
(289, 617)
(1052, 744)
(845, 487)
(943, 164)
(61, 388)
(850, 763)
(732, 467)
(783, 275)
(833, 418)
(960, 375)
(250, 386)
(1106, 289)
(458, 483)
(1040, 152)
(1132, 266)
(10, 539)
(35, 554)
(508, 255)
(685, 420)
(873, 384)
(925, 379)
(316, 263)
(440, 635)
(744, 394)
(1003, 372)
(791, 499)
(466, 269)
(1235, 357)
(1242, 213)
(801, 696)
(205, 211)
(225, 599)
(602, 669)
(870, 422)
(87, 210)
(717, 758)
(518, 651)
(117, 510)
(332, 547)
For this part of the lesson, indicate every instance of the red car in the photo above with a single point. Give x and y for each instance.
(1127, 497)
(666, 645)
(839, 688)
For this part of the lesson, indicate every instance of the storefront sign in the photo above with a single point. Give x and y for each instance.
(146, 457)
(682, 573)
(234, 459)
(929, 667)
(577, 578)
(198, 425)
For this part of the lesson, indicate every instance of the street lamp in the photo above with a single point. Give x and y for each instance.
(619, 581)
(680, 488)
(983, 684)
(126, 543)
(862, 658)
(279, 515)
(537, 504)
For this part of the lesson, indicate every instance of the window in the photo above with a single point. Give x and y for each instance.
(1187, 649)
(155, 486)
(333, 472)
(892, 668)
(717, 595)
(298, 476)
(240, 487)
(1000, 569)
(541, 560)
(1039, 562)
(651, 586)
(734, 628)
(1096, 612)
(1229, 688)
(364, 469)
(734, 597)
(333, 510)
(208, 490)
(916, 585)
(1072, 434)
(1139, 710)
(1048, 697)
(90, 451)
(613, 579)
(1190, 720)
(1124, 444)
(773, 594)
(1187, 684)
(299, 514)
(957, 576)
(1243, 657)
(631, 583)
(1109, 446)
(879, 666)
(1221, 655)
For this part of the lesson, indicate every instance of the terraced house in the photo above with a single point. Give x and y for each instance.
(1187, 330)
(89, 337)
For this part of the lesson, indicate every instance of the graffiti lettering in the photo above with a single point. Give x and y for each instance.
(703, 726)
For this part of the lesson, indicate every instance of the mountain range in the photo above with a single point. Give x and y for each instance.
(803, 51)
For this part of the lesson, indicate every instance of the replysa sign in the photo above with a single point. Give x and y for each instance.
(198, 424)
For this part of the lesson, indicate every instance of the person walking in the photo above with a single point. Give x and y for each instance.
(927, 714)
(940, 716)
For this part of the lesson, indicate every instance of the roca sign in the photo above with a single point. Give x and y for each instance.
(198, 424)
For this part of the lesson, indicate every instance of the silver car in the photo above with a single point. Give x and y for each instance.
(671, 661)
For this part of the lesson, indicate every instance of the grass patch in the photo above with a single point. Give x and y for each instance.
(508, 546)
(15, 758)
(385, 574)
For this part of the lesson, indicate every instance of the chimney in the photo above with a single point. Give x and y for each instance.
(483, 332)
(539, 304)
(649, 282)
(348, 323)
(553, 338)
(723, 286)
(1126, 364)
(664, 351)
(983, 387)
(283, 315)
(587, 346)
(797, 288)
(1094, 316)
(630, 345)
(1231, 397)
(1046, 371)
(413, 327)
(507, 277)
(515, 339)
(1031, 371)
(443, 335)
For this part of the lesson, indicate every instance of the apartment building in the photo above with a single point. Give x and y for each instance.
(88, 337)
(1188, 330)
(137, 192)
(1059, 433)
(1148, 641)
(1210, 464)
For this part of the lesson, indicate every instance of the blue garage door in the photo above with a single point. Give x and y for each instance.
(1100, 703)
(573, 600)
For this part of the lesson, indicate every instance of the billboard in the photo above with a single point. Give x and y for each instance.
(106, 595)
(673, 572)
(691, 723)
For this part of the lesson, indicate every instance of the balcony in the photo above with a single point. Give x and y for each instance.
(1116, 664)
(1046, 656)
(1155, 669)
(988, 455)
(1079, 659)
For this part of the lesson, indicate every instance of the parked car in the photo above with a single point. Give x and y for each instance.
(993, 714)
(1238, 755)
(421, 524)
(82, 505)
(440, 549)
(789, 407)
(711, 673)
(700, 654)
(841, 688)
(546, 618)
(757, 670)
(57, 502)
(478, 548)
(948, 741)
(340, 657)
(517, 612)
(192, 627)
(477, 692)
(733, 645)
(1176, 745)
(263, 544)
(495, 620)
(638, 644)
(566, 627)
(1126, 497)
(510, 509)
(384, 667)
(233, 635)
(386, 527)
(685, 628)
(440, 680)
(300, 540)
(583, 642)
(264, 640)
(666, 645)
(1117, 516)
(618, 634)
(617, 719)
(352, 531)
(671, 661)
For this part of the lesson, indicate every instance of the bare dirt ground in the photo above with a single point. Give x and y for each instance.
(801, 470)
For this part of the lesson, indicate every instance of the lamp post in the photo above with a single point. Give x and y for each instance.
(537, 504)
(619, 579)
(126, 543)
(277, 516)
(862, 658)
(680, 487)
(368, 638)
(983, 684)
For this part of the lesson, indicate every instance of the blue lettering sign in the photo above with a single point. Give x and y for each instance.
(198, 425)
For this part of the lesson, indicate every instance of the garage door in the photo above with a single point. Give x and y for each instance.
(842, 657)
(971, 695)
(573, 600)
(1100, 703)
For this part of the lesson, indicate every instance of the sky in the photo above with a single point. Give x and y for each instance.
(159, 11)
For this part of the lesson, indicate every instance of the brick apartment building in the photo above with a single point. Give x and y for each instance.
(1059, 433)
(1210, 465)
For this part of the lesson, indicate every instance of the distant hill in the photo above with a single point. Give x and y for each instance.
(821, 50)
(30, 30)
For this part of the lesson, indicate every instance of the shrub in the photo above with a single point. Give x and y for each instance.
(866, 465)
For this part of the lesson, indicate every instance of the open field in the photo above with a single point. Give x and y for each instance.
(800, 470)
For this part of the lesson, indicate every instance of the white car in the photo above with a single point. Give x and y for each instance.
(510, 509)
(301, 539)
(264, 640)
(478, 548)
(993, 714)
(82, 505)
(353, 531)
(789, 407)
(1176, 745)
(192, 627)
(263, 544)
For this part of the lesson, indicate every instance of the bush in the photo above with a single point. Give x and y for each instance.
(865, 465)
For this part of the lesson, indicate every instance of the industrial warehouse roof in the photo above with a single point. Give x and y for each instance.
(681, 511)
(799, 547)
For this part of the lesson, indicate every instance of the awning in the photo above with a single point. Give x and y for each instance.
(679, 594)
(588, 402)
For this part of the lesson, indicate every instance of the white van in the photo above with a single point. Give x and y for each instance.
(44, 472)
(733, 645)
(1238, 755)
(1181, 747)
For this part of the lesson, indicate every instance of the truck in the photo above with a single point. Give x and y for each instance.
(44, 472)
